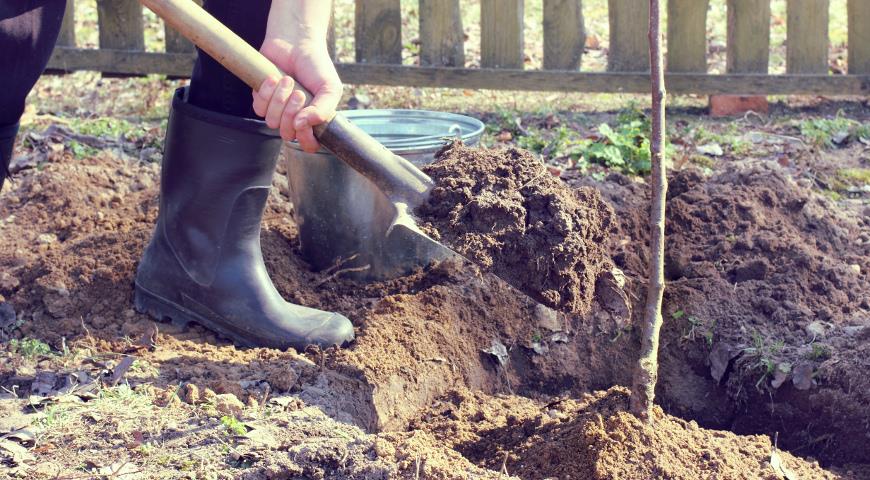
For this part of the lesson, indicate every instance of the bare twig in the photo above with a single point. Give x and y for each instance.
(504, 465)
(339, 262)
(646, 371)
(341, 272)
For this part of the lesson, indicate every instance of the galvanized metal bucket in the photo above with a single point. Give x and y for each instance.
(345, 221)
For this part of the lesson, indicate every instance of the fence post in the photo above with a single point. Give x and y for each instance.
(859, 37)
(629, 47)
(442, 40)
(67, 35)
(175, 42)
(748, 36)
(807, 41)
(121, 25)
(687, 35)
(501, 34)
(378, 31)
(564, 34)
(330, 34)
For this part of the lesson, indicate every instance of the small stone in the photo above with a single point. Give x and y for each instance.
(46, 239)
(815, 330)
(228, 404)
(282, 378)
(8, 282)
(7, 315)
(384, 449)
(855, 268)
(547, 318)
(190, 394)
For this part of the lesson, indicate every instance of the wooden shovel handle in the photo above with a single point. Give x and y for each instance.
(221, 43)
(398, 178)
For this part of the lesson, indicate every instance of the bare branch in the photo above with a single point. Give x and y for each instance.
(646, 372)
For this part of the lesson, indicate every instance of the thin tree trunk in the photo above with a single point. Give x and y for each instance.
(646, 372)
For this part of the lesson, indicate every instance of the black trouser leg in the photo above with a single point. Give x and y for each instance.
(28, 31)
(213, 87)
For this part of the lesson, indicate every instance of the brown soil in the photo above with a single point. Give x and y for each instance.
(73, 232)
(767, 303)
(594, 437)
(503, 209)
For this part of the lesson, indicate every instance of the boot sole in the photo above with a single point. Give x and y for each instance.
(163, 310)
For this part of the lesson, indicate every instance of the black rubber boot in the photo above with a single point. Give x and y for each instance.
(7, 142)
(204, 262)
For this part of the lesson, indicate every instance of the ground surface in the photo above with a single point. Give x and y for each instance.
(766, 332)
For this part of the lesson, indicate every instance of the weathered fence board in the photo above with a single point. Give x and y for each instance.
(564, 34)
(175, 64)
(175, 42)
(629, 47)
(859, 36)
(121, 24)
(748, 36)
(378, 31)
(807, 43)
(501, 34)
(67, 35)
(442, 39)
(330, 35)
(687, 35)
(378, 28)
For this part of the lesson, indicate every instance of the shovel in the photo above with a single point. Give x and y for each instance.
(403, 184)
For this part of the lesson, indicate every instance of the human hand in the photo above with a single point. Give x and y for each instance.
(282, 107)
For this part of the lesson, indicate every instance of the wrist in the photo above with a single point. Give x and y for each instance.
(299, 22)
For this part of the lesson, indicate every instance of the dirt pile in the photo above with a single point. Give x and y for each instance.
(594, 437)
(503, 209)
(418, 336)
(767, 301)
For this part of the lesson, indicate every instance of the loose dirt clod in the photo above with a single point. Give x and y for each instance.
(504, 210)
(596, 438)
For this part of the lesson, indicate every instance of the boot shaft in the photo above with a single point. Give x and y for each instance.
(216, 169)
(7, 144)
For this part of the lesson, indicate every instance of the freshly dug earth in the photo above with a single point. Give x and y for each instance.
(595, 437)
(502, 209)
(72, 234)
(768, 302)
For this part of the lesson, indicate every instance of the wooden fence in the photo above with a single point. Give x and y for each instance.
(378, 43)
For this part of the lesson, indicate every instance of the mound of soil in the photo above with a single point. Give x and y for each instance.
(767, 302)
(73, 232)
(595, 437)
(68, 272)
(502, 209)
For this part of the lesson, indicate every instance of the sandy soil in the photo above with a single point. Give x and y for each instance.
(750, 249)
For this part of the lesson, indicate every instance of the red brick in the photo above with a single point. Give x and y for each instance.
(727, 105)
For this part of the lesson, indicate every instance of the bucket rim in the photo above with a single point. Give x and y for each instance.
(471, 128)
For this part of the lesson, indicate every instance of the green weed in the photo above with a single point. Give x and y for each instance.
(29, 347)
(233, 425)
(105, 127)
(766, 354)
(697, 328)
(80, 150)
(827, 132)
(730, 139)
(820, 352)
(855, 175)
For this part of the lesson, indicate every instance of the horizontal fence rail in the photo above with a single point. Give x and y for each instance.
(378, 48)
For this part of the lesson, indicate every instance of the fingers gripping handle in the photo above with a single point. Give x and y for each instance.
(395, 176)
(221, 43)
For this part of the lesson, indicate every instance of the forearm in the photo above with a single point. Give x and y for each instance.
(299, 21)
